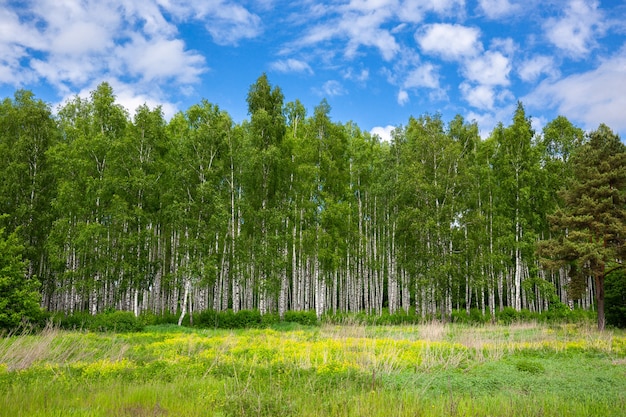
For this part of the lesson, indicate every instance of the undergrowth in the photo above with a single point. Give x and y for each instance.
(433, 369)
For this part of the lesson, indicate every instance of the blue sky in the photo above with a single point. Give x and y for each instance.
(377, 62)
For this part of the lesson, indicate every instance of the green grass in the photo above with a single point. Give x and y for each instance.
(294, 370)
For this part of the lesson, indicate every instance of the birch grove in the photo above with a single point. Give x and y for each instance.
(284, 211)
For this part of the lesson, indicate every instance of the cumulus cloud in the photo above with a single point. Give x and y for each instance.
(161, 59)
(71, 44)
(383, 132)
(449, 41)
(491, 68)
(291, 65)
(496, 9)
(575, 31)
(423, 76)
(128, 96)
(228, 23)
(361, 24)
(592, 97)
(364, 23)
(480, 96)
(532, 69)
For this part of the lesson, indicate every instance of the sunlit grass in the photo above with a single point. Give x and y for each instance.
(430, 370)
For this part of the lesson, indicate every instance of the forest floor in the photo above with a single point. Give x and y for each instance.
(291, 370)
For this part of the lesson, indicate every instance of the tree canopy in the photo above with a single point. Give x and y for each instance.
(291, 211)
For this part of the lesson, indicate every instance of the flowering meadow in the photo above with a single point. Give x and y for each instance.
(330, 370)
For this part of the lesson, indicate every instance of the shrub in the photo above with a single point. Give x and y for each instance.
(270, 319)
(507, 316)
(245, 319)
(227, 319)
(149, 318)
(75, 321)
(19, 297)
(116, 321)
(475, 316)
(111, 321)
(305, 318)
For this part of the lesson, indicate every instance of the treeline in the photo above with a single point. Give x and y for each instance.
(284, 211)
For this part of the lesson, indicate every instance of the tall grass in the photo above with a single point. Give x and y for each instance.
(336, 370)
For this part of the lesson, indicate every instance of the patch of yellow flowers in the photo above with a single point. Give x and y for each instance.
(310, 350)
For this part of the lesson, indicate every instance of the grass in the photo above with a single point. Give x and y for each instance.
(292, 370)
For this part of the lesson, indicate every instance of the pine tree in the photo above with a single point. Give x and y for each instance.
(592, 221)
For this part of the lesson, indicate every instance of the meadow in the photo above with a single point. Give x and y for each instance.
(330, 370)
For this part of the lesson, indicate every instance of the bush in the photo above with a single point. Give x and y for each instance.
(75, 321)
(270, 319)
(148, 318)
(227, 319)
(305, 318)
(112, 321)
(19, 297)
(507, 316)
(244, 319)
(475, 316)
(117, 322)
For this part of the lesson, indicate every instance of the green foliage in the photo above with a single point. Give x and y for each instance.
(455, 370)
(227, 319)
(19, 295)
(108, 322)
(283, 212)
(475, 317)
(117, 322)
(532, 367)
(615, 297)
(507, 315)
(305, 318)
(588, 228)
(151, 319)
(246, 319)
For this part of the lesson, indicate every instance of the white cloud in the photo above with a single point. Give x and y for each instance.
(332, 88)
(229, 23)
(367, 6)
(491, 68)
(575, 31)
(226, 21)
(69, 44)
(129, 95)
(161, 59)
(362, 26)
(413, 11)
(403, 97)
(291, 65)
(495, 9)
(531, 69)
(81, 38)
(61, 71)
(361, 23)
(449, 41)
(423, 76)
(384, 133)
(359, 77)
(592, 97)
(480, 96)
(488, 120)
